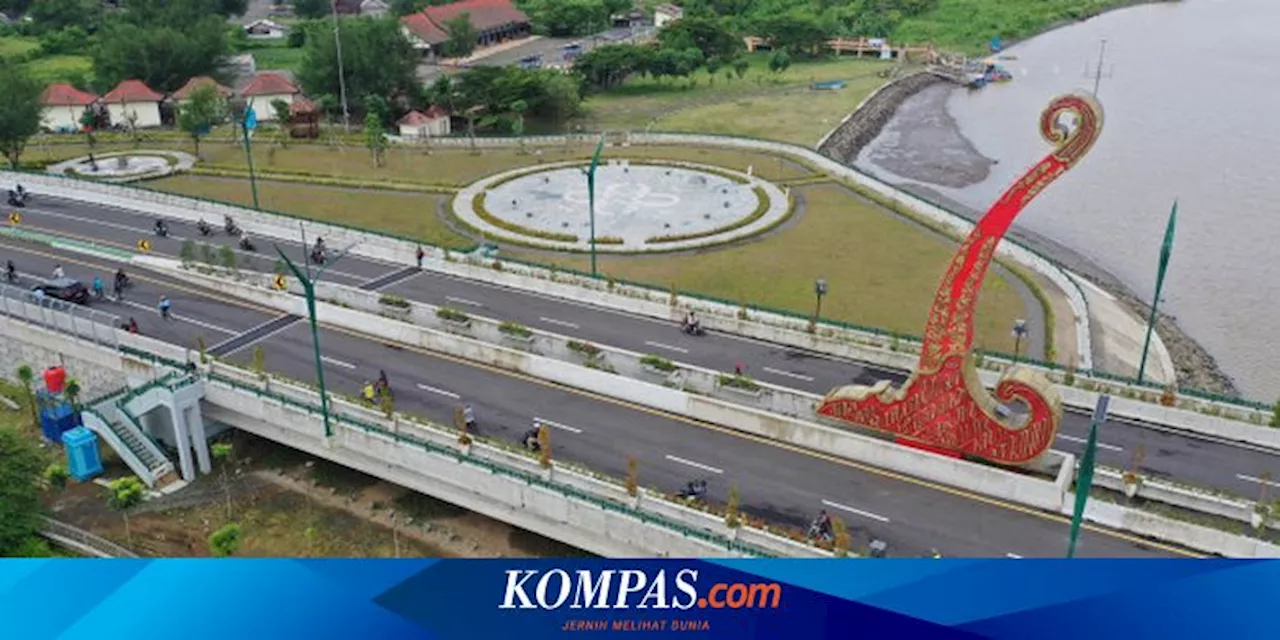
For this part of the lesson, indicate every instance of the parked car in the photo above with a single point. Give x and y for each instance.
(64, 289)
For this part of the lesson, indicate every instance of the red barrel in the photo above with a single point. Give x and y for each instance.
(54, 379)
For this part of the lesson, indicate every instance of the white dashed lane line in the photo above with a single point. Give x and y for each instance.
(866, 514)
(696, 465)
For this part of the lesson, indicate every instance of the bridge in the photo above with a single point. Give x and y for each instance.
(602, 433)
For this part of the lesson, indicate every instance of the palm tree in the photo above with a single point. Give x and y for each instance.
(518, 108)
(28, 379)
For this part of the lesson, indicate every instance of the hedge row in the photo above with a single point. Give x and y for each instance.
(762, 207)
(477, 205)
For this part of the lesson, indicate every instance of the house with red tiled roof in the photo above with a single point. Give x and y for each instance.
(133, 102)
(182, 95)
(61, 106)
(495, 21)
(419, 124)
(264, 89)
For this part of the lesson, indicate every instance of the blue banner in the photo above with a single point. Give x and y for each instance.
(532, 599)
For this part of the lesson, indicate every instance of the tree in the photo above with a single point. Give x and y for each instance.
(21, 469)
(163, 55)
(375, 138)
(203, 109)
(283, 115)
(544, 446)
(188, 252)
(54, 15)
(798, 33)
(402, 8)
(740, 66)
(779, 61)
(462, 37)
(709, 35)
(388, 402)
(56, 476)
(228, 256)
(28, 379)
(89, 124)
(72, 391)
(259, 360)
(125, 494)
(377, 60)
(311, 9)
(840, 532)
(610, 65)
(20, 111)
(226, 540)
(633, 476)
(731, 516)
(222, 452)
(517, 126)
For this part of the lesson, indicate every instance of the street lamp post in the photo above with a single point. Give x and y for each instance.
(247, 124)
(590, 173)
(1166, 250)
(819, 290)
(308, 281)
(1019, 332)
(342, 78)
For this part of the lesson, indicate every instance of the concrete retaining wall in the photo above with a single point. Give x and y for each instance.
(1190, 535)
(97, 370)
(866, 122)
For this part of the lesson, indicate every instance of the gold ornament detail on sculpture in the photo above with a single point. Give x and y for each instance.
(944, 405)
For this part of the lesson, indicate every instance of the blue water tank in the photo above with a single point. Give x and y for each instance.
(83, 461)
(57, 416)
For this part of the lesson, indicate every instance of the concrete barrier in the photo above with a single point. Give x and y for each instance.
(1158, 527)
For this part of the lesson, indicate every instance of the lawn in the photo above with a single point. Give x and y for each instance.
(643, 102)
(51, 69)
(882, 269)
(17, 46)
(458, 166)
(407, 214)
(968, 25)
(276, 56)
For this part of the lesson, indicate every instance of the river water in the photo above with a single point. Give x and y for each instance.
(1191, 92)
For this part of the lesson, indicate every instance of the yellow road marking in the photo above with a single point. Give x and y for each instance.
(826, 457)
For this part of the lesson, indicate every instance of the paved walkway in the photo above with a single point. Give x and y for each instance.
(157, 163)
(1118, 335)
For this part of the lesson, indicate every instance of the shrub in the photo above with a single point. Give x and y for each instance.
(1069, 378)
(585, 348)
(661, 364)
(515, 329)
(477, 205)
(762, 207)
(1275, 414)
(452, 315)
(609, 240)
(739, 382)
(393, 300)
(1169, 396)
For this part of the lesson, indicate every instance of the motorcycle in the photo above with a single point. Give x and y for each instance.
(230, 227)
(693, 329)
(161, 229)
(694, 491)
(317, 256)
(247, 244)
(531, 441)
(204, 227)
(17, 198)
(819, 529)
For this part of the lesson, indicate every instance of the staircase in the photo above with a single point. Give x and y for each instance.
(114, 418)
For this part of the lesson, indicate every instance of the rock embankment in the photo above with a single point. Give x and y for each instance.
(865, 124)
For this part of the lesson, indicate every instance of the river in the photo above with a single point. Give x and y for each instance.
(1191, 93)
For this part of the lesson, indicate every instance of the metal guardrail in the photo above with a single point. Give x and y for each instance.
(58, 315)
(82, 541)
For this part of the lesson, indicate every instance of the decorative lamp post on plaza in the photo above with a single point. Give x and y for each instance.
(248, 123)
(819, 290)
(1166, 249)
(308, 281)
(590, 173)
(1019, 332)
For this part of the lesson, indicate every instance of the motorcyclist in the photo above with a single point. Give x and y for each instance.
(530, 439)
(131, 326)
(694, 489)
(383, 383)
(230, 226)
(161, 228)
(203, 227)
(121, 281)
(58, 273)
(10, 271)
(692, 325)
(370, 393)
(469, 417)
(99, 291)
(245, 242)
(821, 526)
(164, 306)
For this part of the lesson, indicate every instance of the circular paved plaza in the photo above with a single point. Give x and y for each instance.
(638, 207)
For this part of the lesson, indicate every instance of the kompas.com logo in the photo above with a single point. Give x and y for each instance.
(631, 589)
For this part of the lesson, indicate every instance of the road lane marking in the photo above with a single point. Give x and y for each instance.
(562, 323)
(179, 318)
(696, 465)
(74, 258)
(335, 361)
(788, 374)
(866, 514)
(1013, 556)
(447, 394)
(1101, 445)
(465, 301)
(247, 338)
(551, 423)
(1257, 480)
(666, 346)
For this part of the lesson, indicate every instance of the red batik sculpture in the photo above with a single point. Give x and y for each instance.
(943, 404)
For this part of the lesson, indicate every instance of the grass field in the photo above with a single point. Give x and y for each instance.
(51, 69)
(882, 269)
(17, 46)
(663, 105)
(275, 55)
(969, 24)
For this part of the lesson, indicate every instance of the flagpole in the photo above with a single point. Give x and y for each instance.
(1084, 481)
(1165, 250)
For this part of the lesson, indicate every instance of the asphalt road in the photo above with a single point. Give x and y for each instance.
(1224, 466)
(776, 482)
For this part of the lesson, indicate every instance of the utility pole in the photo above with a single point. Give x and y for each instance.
(342, 77)
(1097, 74)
